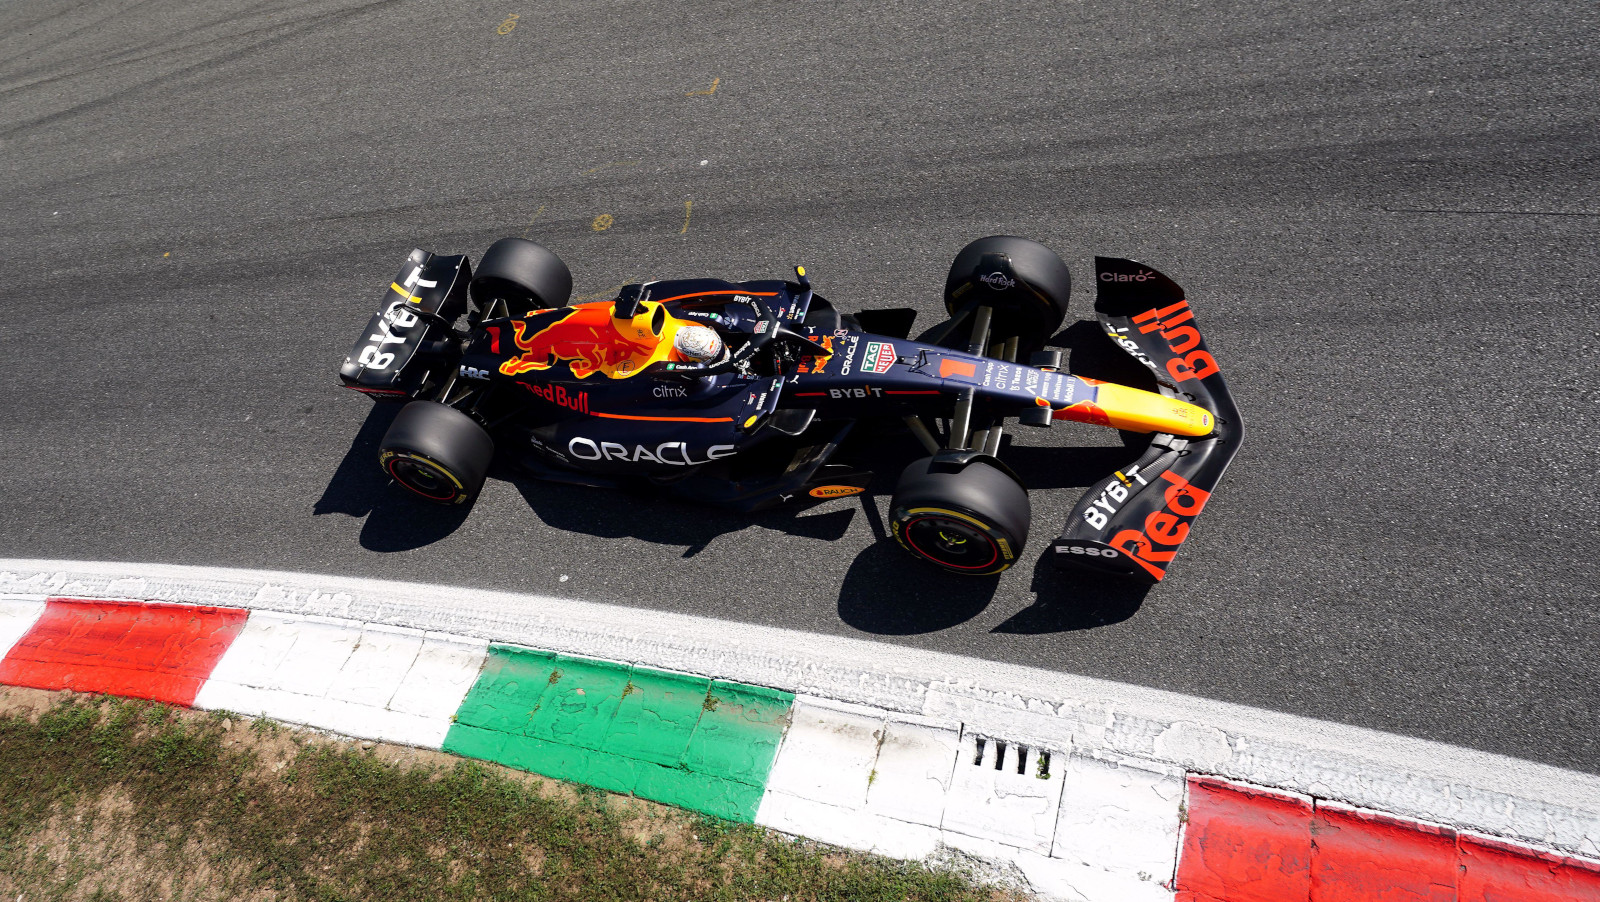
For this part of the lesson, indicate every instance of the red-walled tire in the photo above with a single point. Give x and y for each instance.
(972, 521)
(437, 452)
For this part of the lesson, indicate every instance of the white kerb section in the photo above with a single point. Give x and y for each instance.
(1121, 816)
(1006, 792)
(362, 680)
(1075, 827)
(18, 614)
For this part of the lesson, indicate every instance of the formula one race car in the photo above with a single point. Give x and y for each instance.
(740, 393)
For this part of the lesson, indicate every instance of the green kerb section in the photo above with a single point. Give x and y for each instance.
(701, 744)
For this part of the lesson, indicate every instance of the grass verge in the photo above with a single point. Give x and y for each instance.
(112, 799)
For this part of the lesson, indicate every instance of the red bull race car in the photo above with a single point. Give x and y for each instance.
(742, 394)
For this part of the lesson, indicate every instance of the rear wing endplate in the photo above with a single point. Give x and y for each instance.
(377, 364)
(1132, 522)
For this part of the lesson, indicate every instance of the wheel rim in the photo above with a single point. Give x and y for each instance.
(423, 477)
(952, 543)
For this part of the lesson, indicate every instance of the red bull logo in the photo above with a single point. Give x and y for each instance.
(558, 395)
(817, 363)
(585, 340)
(1083, 412)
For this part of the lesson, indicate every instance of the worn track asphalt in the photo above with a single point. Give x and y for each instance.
(1386, 216)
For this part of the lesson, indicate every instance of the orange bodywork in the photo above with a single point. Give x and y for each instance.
(1121, 407)
(590, 340)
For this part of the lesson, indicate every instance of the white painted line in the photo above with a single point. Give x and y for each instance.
(18, 614)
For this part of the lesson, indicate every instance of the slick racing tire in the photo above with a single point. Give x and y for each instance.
(1025, 283)
(972, 521)
(525, 275)
(437, 452)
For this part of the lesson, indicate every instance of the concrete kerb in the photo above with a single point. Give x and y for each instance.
(1045, 763)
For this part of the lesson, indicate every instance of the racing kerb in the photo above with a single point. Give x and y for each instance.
(1085, 788)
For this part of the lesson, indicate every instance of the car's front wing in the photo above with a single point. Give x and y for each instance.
(1132, 522)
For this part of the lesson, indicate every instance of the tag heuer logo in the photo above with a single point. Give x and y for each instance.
(879, 357)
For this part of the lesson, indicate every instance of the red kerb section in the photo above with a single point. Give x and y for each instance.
(163, 652)
(1246, 844)
(1361, 855)
(1494, 871)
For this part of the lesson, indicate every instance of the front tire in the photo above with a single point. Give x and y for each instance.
(437, 452)
(1025, 283)
(972, 520)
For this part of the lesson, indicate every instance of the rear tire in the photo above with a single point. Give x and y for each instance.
(437, 452)
(972, 521)
(527, 276)
(1026, 284)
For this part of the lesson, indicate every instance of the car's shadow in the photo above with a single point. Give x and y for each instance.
(395, 521)
(661, 519)
(1069, 600)
(884, 591)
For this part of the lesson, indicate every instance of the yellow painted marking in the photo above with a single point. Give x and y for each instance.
(612, 166)
(801, 270)
(508, 24)
(714, 83)
(415, 299)
(535, 219)
(606, 295)
(167, 254)
(688, 208)
(602, 222)
(752, 419)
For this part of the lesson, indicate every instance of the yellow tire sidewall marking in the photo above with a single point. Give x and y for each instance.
(433, 465)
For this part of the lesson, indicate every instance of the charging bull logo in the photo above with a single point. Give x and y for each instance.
(1083, 412)
(585, 340)
(817, 363)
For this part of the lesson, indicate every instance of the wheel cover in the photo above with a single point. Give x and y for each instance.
(951, 542)
(423, 476)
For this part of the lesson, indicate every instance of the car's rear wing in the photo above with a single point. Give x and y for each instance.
(378, 362)
(1132, 522)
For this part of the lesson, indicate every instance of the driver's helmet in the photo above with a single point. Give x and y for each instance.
(697, 343)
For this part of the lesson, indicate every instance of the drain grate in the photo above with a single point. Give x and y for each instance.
(1002, 756)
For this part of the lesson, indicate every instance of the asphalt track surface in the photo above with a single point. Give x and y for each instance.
(1386, 216)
